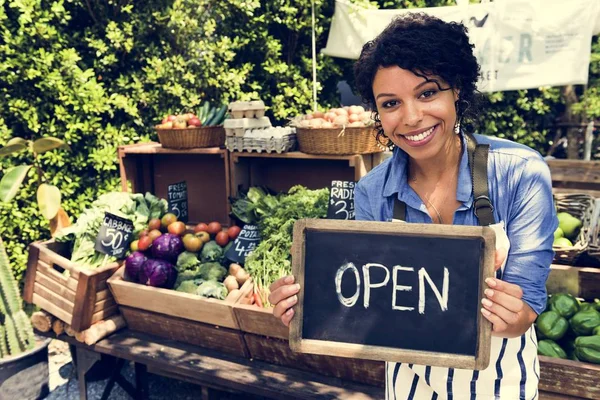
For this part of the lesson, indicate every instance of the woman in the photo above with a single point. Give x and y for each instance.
(419, 76)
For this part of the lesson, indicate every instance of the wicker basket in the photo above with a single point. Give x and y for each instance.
(594, 241)
(189, 138)
(338, 140)
(581, 206)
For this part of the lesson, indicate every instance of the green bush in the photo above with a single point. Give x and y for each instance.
(100, 74)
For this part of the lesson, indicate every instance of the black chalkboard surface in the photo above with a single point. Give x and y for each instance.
(177, 199)
(114, 235)
(393, 292)
(341, 200)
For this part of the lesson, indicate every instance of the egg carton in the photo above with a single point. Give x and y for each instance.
(237, 126)
(268, 145)
(247, 109)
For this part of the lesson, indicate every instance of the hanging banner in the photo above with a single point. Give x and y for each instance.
(520, 44)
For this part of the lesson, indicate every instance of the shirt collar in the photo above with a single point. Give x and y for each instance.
(397, 183)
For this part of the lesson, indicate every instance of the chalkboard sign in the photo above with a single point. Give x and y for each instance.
(393, 292)
(341, 200)
(244, 244)
(177, 198)
(114, 236)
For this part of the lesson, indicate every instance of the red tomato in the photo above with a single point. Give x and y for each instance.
(233, 232)
(201, 227)
(214, 228)
(222, 239)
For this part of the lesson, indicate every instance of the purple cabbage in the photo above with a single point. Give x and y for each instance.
(167, 247)
(158, 273)
(133, 265)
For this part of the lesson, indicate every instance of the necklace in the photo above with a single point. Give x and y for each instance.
(439, 216)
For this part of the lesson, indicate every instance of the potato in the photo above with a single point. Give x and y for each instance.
(231, 283)
(234, 268)
(241, 276)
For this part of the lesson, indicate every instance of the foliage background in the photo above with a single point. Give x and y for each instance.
(100, 73)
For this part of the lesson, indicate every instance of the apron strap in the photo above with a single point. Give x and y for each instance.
(478, 161)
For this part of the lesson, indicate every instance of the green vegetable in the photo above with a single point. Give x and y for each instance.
(587, 348)
(211, 251)
(272, 259)
(187, 261)
(596, 331)
(551, 325)
(212, 271)
(564, 304)
(252, 206)
(212, 289)
(135, 207)
(584, 322)
(187, 287)
(550, 348)
(187, 275)
(217, 117)
(209, 116)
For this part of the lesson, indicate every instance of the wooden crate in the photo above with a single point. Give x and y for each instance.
(78, 297)
(578, 281)
(148, 167)
(576, 176)
(267, 340)
(280, 172)
(184, 317)
(570, 378)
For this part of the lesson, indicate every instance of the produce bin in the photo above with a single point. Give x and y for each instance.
(280, 172)
(149, 167)
(77, 296)
(179, 316)
(580, 206)
(267, 340)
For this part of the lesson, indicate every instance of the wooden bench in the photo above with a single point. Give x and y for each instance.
(209, 369)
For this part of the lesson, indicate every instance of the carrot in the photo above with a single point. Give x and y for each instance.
(257, 300)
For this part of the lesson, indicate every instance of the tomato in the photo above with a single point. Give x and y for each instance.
(233, 232)
(204, 236)
(201, 227)
(176, 228)
(214, 228)
(222, 238)
(145, 242)
(153, 224)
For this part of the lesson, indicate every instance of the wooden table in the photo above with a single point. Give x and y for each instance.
(210, 369)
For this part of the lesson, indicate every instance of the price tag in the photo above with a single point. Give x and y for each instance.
(244, 244)
(114, 236)
(341, 200)
(178, 200)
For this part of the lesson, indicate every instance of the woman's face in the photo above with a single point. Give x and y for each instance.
(415, 114)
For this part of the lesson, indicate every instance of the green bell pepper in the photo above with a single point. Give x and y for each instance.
(584, 322)
(596, 331)
(587, 348)
(551, 325)
(565, 304)
(550, 348)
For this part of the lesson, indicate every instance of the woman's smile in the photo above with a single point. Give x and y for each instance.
(420, 137)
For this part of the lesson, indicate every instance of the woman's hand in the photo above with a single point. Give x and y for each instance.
(510, 316)
(283, 297)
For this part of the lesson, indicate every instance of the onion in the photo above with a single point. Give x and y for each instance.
(318, 114)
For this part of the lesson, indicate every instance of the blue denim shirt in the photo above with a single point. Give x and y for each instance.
(520, 189)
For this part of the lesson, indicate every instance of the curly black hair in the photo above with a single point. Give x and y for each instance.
(426, 46)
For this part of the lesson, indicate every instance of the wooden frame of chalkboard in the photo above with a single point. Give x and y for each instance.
(478, 359)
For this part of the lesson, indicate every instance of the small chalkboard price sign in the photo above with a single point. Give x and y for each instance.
(114, 236)
(244, 244)
(177, 198)
(341, 200)
(392, 292)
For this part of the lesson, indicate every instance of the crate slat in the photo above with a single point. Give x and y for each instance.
(69, 281)
(572, 378)
(259, 321)
(104, 304)
(578, 281)
(55, 287)
(52, 308)
(54, 298)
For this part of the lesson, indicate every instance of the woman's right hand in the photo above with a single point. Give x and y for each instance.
(283, 297)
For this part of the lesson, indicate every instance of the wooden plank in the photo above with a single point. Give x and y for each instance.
(50, 257)
(236, 156)
(169, 327)
(214, 369)
(576, 171)
(156, 148)
(578, 281)
(554, 396)
(53, 309)
(172, 303)
(260, 321)
(56, 276)
(104, 313)
(572, 378)
(55, 287)
(593, 193)
(30, 273)
(103, 304)
(84, 302)
(277, 351)
(53, 297)
(103, 294)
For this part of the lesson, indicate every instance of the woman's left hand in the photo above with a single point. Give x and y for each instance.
(502, 306)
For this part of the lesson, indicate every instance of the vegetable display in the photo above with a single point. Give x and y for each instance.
(570, 329)
(276, 216)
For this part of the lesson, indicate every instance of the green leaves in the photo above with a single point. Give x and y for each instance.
(12, 149)
(48, 197)
(49, 143)
(11, 182)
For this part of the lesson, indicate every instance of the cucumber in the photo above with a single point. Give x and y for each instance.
(209, 117)
(204, 111)
(218, 117)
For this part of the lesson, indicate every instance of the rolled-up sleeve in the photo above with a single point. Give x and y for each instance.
(530, 229)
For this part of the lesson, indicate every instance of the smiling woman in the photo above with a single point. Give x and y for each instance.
(419, 77)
